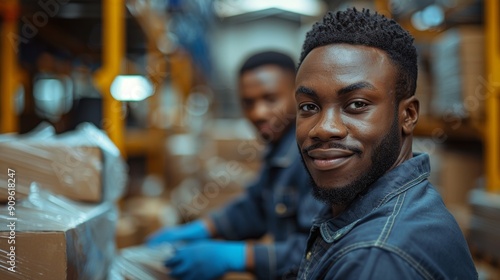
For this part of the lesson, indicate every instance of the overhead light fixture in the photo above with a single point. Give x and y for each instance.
(417, 22)
(433, 15)
(131, 88)
(53, 95)
(228, 8)
(430, 17)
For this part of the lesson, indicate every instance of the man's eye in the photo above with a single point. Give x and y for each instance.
(308, 107)
(271, 98)
(357, 105)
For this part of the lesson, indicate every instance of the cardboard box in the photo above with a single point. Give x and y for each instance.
(150, 214)
(484, 236)
(74, 172)
(54, 238)
(182, 159)
(459, 173)
(235, 139)
(83, 165)
(127, 232)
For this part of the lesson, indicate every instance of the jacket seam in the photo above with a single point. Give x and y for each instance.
(406, 186)
(383, 246)
(386, 231)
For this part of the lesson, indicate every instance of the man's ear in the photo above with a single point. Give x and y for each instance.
(408, 109)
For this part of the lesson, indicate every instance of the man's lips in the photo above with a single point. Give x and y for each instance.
(327, 159)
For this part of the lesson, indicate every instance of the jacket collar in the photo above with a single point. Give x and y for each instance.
(391, 184)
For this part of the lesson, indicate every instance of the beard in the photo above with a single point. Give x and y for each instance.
(383, 157)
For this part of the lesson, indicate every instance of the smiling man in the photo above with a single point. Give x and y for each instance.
(356, 111)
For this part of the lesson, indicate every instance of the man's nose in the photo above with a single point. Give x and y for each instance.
(329, 126)
(260, 112)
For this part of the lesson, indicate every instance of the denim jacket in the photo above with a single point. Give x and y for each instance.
(278, 203)
(399, 229)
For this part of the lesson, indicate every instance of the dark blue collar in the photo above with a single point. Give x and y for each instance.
(394, 182)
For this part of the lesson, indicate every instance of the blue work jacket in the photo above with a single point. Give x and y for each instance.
(399, 229)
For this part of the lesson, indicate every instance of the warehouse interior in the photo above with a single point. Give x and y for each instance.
(136, 103)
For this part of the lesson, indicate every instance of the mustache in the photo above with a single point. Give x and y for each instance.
(332, 145)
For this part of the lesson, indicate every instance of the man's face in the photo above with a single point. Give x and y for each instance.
(347, 125)
(266, 95)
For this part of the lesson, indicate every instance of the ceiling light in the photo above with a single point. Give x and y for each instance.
(131, 88)
(53, 96)
(228, 8)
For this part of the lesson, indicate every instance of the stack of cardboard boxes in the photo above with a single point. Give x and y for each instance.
(225, 161)
(59, 195)
(484, 234)
(458, 72)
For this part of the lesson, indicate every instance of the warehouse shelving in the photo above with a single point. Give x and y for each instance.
(113, 38)
(487, 131)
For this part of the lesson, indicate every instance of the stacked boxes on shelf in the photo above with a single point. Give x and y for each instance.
(59, 200)
(484, 236)
(458, 73)
(227, 161)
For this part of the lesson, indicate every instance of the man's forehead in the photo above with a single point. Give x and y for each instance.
(347, 55)
(346, 63)
(267, 75)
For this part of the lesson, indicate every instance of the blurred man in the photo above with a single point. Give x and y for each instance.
(355, 89)
(279, 203)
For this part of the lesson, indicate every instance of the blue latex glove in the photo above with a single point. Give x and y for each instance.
(207, 260)
(195, 230)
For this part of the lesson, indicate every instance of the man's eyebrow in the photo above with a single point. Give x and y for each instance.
(354, 87)
(306, 91)
(345, 90)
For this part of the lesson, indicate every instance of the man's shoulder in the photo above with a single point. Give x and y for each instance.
(414, 226)
(417, 208)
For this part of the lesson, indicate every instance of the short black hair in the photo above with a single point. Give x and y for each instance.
(373, 30)
(268, 58)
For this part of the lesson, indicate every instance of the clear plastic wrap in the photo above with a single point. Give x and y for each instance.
(42, 131)
(141, 263)
(51, 237)
(83, 164)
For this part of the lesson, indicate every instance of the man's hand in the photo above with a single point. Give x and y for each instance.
(207, 260)
(195, 230)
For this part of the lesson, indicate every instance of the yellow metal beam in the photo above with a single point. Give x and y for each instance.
(492, 147)
(181, 73)
(8, 80)
(113, 37)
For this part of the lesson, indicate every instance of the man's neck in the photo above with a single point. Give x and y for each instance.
(338, 209)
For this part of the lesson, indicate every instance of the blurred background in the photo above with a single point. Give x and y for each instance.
(159, 77)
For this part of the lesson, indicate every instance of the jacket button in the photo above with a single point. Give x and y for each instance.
(308, 255)
(280, 208)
